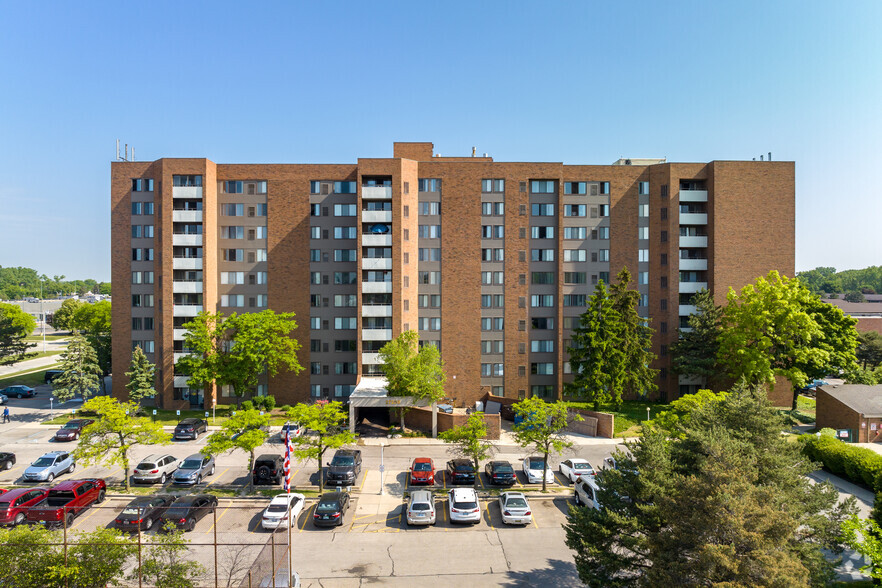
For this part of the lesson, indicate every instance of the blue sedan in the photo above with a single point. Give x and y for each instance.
(19, 391)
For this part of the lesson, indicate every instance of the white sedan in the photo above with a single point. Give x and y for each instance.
(276, 513)
(533, 468)
(515, 509)
(575, 468)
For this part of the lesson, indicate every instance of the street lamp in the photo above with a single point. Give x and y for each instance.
(42, 316)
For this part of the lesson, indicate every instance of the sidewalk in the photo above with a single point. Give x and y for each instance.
(29, 365)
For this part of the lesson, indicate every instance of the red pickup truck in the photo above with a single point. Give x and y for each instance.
(66, 500)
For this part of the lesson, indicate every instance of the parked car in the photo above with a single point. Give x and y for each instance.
(295, 429)
(463, 505)
(331, 509)
(500, 473)
(49, 466)
(422, 471)
(267, 469)
(7, 460)
(192, 469)
(275, 515)
(533, 468)
(4, 398)
(344, 468)
(66, 501)
(190, 428)
(51, 375)
(143, 511)
(515, 509)
(155, 468)
(585, 492)
(421, 508)
(14, 505)
(575, 468)
(72, 429)
(187, 510)
(19, 392)
(461, 471)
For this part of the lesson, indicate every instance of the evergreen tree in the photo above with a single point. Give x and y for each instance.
(635, 339)
(695, 353)
(869, 350)
(81, 373)
(142, 377)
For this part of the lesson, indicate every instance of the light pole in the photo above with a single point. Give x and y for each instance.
(42, 316)
(382, 469)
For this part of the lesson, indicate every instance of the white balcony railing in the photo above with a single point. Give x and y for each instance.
(178, 334)
(687, 309)
(187, 287)
(187, 263)
(371, 240)
(376, 192)
(186, 309)
(370, 359)
(376, 216)
(693, 241)
(693, 195)
(693, 264)
(178, 356)
(376, 310)
(187, 192)
(182, 381)
(376, 287)
(376, 263)
(692, 287)
(187, 216)
(693, 218)
(376, 334)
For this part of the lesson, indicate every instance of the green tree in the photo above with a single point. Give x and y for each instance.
(778, 328)
(80, 371)
(93, 320)
(821, 280)
(635, 338)
(325, 422)
(238, 349)
(104, 288)
(15, 325)
(245, 430)
(854, 296)
(470, 440)
(674, 421)
(413, 371)
(727, 502)
(63, 317)
(115, 431)
(865, 537)
(142, 377)
(695, 352)
(96, 559)
(542, 427)
(167, 562)
(28, 558)
(869, 349)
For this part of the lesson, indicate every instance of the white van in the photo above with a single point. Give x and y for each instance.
(585, 492)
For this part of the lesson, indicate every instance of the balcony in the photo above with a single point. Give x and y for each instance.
(693, 264)
(182, 381)
(376, 192)
(187, 216)
(376, 263)
(187, 263)
(178, 334)
(372, 240)
(376, 334)
(187, 192)
(693, 241)
(690, 380)
(376, 216)
(692, 287)
(187, 240)
(178, 357)
(182, 287)
(686, 309)
(693, 218)
(693, 195)
(370, 359)
(186, 309)
(376, 310)
(376, 287)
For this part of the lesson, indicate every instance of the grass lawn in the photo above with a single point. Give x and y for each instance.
(31, 379)
(38, 338)
(629, 416)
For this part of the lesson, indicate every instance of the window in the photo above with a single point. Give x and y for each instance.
(574, 277)
(493, 208)
(493, 254)
(232, 300)
(643, 188)
(663, 212)
(315, 232)
(315, 390)
(575, 187)
(542, 278)
(603, 233)
(232, 209)
(345, 187)
(344, 210)
(232, 277)
(492, 231)
(233, 187)
(604, 187)
(137, 255)
(137, 207)
(642, 278)
(142, 184)
(259, 232)
(345, 255)
(574, 299)
(429, 277)
(345, 323)
(574, 255)
(542, 232)
(643, 255)
(429, 300)
(643, 232)
(492, 278)
(542, 254)
(433, 254)
(429, 231)
(429, 185)
(542, 323)
(542, 186)
(314, 255)
(664, 259)
(492, 301)
(344, 367)
(574, 209)
(344, 278)
(315, 210)
(491, 347)
(492, 323)
(542, 369)
(542, 346)
(492, 186)
(344, 233)
(546, 391)
(343, 390)
(148, 231)
(261, 209)
(605, 277)
(345, 300)
(429, 323)
(315, 278)
(262, 300)
(542, 300)
(187, 181)
(491, 369)
(542, 209)
(574, 232)
(345, 345)
(603, 209)
(430, 208)
(644, 300)
(232, 232)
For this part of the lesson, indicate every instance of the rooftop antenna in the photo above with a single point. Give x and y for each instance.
(133, 153)
(474, 151)
(117, 149)
(127, 151)
(770, 156)
(761, 157)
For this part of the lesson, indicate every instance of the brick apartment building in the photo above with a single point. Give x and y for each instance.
(490, 261)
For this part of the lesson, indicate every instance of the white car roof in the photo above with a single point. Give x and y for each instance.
(463, 494)
(285, 498)
(508, 495)
(421, 496)
(580, 460)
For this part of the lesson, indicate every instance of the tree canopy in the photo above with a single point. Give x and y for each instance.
(142, 377)
(63, 317)
(412, 370)
(827, 280)
(245, 430)
(325, 425)
(23, 282)
(869, 349)
(470, 440)
(80, 372)
(695, 352)
(93, 321)
(15, 325)
(542, 427)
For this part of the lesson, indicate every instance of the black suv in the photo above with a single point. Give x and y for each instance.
(51, 375)
(343, 470)
(461, 471)
(268, 469)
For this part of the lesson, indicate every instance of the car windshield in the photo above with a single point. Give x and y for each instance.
(44, 462)
(72, 426)
(464, 467)
(503, 468)
(537, 463)
(420, 506)
(465, 505)
(516, 503)
(343, 461)
(328, 506)
(132, 510)
(422, 467)
(146, 466)
(191, 464)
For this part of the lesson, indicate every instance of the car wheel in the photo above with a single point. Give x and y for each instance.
(100, 496)
(19, 519)
(50, 477)
(211, 473)
(148, 524)
(8, 465)
(191, 524)
(19, 394)
(76, 436)
(578, 501)
(69, 519)
(198, 479)
(162, 478)
(71, 468)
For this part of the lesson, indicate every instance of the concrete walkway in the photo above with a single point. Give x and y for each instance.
(28, 365)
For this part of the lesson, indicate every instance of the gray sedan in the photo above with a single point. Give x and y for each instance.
(193, 469)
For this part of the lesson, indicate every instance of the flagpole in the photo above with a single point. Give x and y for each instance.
(290, 520)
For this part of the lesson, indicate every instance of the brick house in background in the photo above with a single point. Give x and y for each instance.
(851, 406)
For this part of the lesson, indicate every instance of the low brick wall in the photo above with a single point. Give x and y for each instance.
(605, 423)
(420, 419)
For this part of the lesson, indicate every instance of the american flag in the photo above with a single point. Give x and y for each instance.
(287, 464)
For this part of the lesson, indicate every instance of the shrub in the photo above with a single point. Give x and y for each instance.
(269, 402)
(247, 405)
(859, 464)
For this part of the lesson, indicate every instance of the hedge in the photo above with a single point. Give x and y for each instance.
(858, 464)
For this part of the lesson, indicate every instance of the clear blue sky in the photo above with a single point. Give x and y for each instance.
(578, 82)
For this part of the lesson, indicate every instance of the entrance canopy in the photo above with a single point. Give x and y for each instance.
(372, 392)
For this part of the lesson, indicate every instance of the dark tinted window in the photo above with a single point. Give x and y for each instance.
(503, 468)
(343, 461)
(327, 506)
(464, 467)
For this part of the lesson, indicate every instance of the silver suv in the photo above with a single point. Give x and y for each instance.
(49, 467)
(155, 468)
